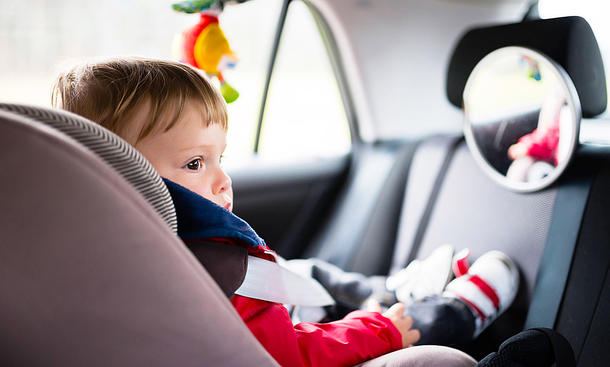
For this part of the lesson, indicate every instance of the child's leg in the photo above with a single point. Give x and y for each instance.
(488, 288)
(349, 289)
(469, 304)
(517, 171)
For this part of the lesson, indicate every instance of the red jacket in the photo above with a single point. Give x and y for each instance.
(356, 338)
(542, 143)
(359, 336)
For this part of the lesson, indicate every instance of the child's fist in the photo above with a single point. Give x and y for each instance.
(517, 151)
(403, 323)
(396, 314)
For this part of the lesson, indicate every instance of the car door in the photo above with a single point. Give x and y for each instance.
(301, 137)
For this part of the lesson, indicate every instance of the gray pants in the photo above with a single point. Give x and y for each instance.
(441, 321)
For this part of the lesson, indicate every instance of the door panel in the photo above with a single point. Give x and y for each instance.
(286, 202)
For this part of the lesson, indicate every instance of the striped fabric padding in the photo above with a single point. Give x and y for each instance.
(113, 150)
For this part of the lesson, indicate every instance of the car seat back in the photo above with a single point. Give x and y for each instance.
(469, 210)
(91, 274)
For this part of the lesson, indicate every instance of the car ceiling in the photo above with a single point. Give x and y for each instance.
(395, 54)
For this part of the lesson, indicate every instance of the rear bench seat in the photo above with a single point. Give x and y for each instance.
(446, 198)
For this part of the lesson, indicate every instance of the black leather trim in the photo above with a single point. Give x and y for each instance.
(569, 41)
(226, 263)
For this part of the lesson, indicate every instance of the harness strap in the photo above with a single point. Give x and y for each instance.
(270, 281)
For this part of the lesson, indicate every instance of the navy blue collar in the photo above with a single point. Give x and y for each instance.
(199, 218)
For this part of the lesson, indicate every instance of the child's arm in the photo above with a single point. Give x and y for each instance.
(360, 336)
(403, 323)
(540, 145)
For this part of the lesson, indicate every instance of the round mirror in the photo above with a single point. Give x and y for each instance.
(522, 117)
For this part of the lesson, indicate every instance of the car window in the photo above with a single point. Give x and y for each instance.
(304, 114)
(250, 28)
(48, 36)
(53, 35)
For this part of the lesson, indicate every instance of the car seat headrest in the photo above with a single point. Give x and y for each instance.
(569, 41)
(113, 150)
(91, 275)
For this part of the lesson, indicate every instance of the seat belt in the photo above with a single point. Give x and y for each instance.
(425, 167)
(554, 269)
(432, 199)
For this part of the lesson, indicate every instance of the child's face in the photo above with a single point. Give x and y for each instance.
(189, 154)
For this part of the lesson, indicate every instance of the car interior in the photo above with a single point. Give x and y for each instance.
(94, 274)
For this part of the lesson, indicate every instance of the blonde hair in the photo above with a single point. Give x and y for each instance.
(109, 92)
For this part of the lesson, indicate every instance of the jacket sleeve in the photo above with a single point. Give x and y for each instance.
(542, 145)
(356, 338)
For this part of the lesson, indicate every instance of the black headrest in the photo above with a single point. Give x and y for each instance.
(569, 41)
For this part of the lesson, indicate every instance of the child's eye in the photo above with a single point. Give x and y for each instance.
(220, 159)
(194, 165)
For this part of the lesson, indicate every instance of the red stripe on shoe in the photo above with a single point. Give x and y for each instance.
(460, 267)
(473, 307)
(460, 263)
(486, 289)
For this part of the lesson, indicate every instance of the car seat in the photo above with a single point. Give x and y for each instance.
(92, 273)
(468, 209)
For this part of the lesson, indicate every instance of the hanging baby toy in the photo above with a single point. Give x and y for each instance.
(205, 45)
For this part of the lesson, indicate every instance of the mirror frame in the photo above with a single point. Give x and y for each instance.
(572, 101)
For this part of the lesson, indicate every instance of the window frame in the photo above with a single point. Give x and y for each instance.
(336, 64)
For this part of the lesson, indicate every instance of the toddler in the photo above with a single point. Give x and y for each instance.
(535, 155)
(178, 121)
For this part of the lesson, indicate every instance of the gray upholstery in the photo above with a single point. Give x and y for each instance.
(425, 168)
(472, 211)
(117, 153)
(90, 275)
(344, 233)
(374, 253)
(423, 356)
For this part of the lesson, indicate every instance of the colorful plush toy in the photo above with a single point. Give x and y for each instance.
(533, 68)
(205, 45)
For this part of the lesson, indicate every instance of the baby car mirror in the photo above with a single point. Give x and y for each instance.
(522, 117)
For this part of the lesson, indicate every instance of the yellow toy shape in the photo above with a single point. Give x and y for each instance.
(211, 45)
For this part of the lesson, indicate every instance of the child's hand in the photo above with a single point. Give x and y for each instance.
(396, 314)
(517, 151)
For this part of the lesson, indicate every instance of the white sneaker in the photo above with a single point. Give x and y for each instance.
(423, 278)
(488, 287)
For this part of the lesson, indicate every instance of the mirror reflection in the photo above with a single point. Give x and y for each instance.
(521, 118)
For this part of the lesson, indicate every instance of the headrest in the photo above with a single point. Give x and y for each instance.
(116, 152)
(568, 41)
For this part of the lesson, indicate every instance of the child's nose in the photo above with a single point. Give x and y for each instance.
(223, 182)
